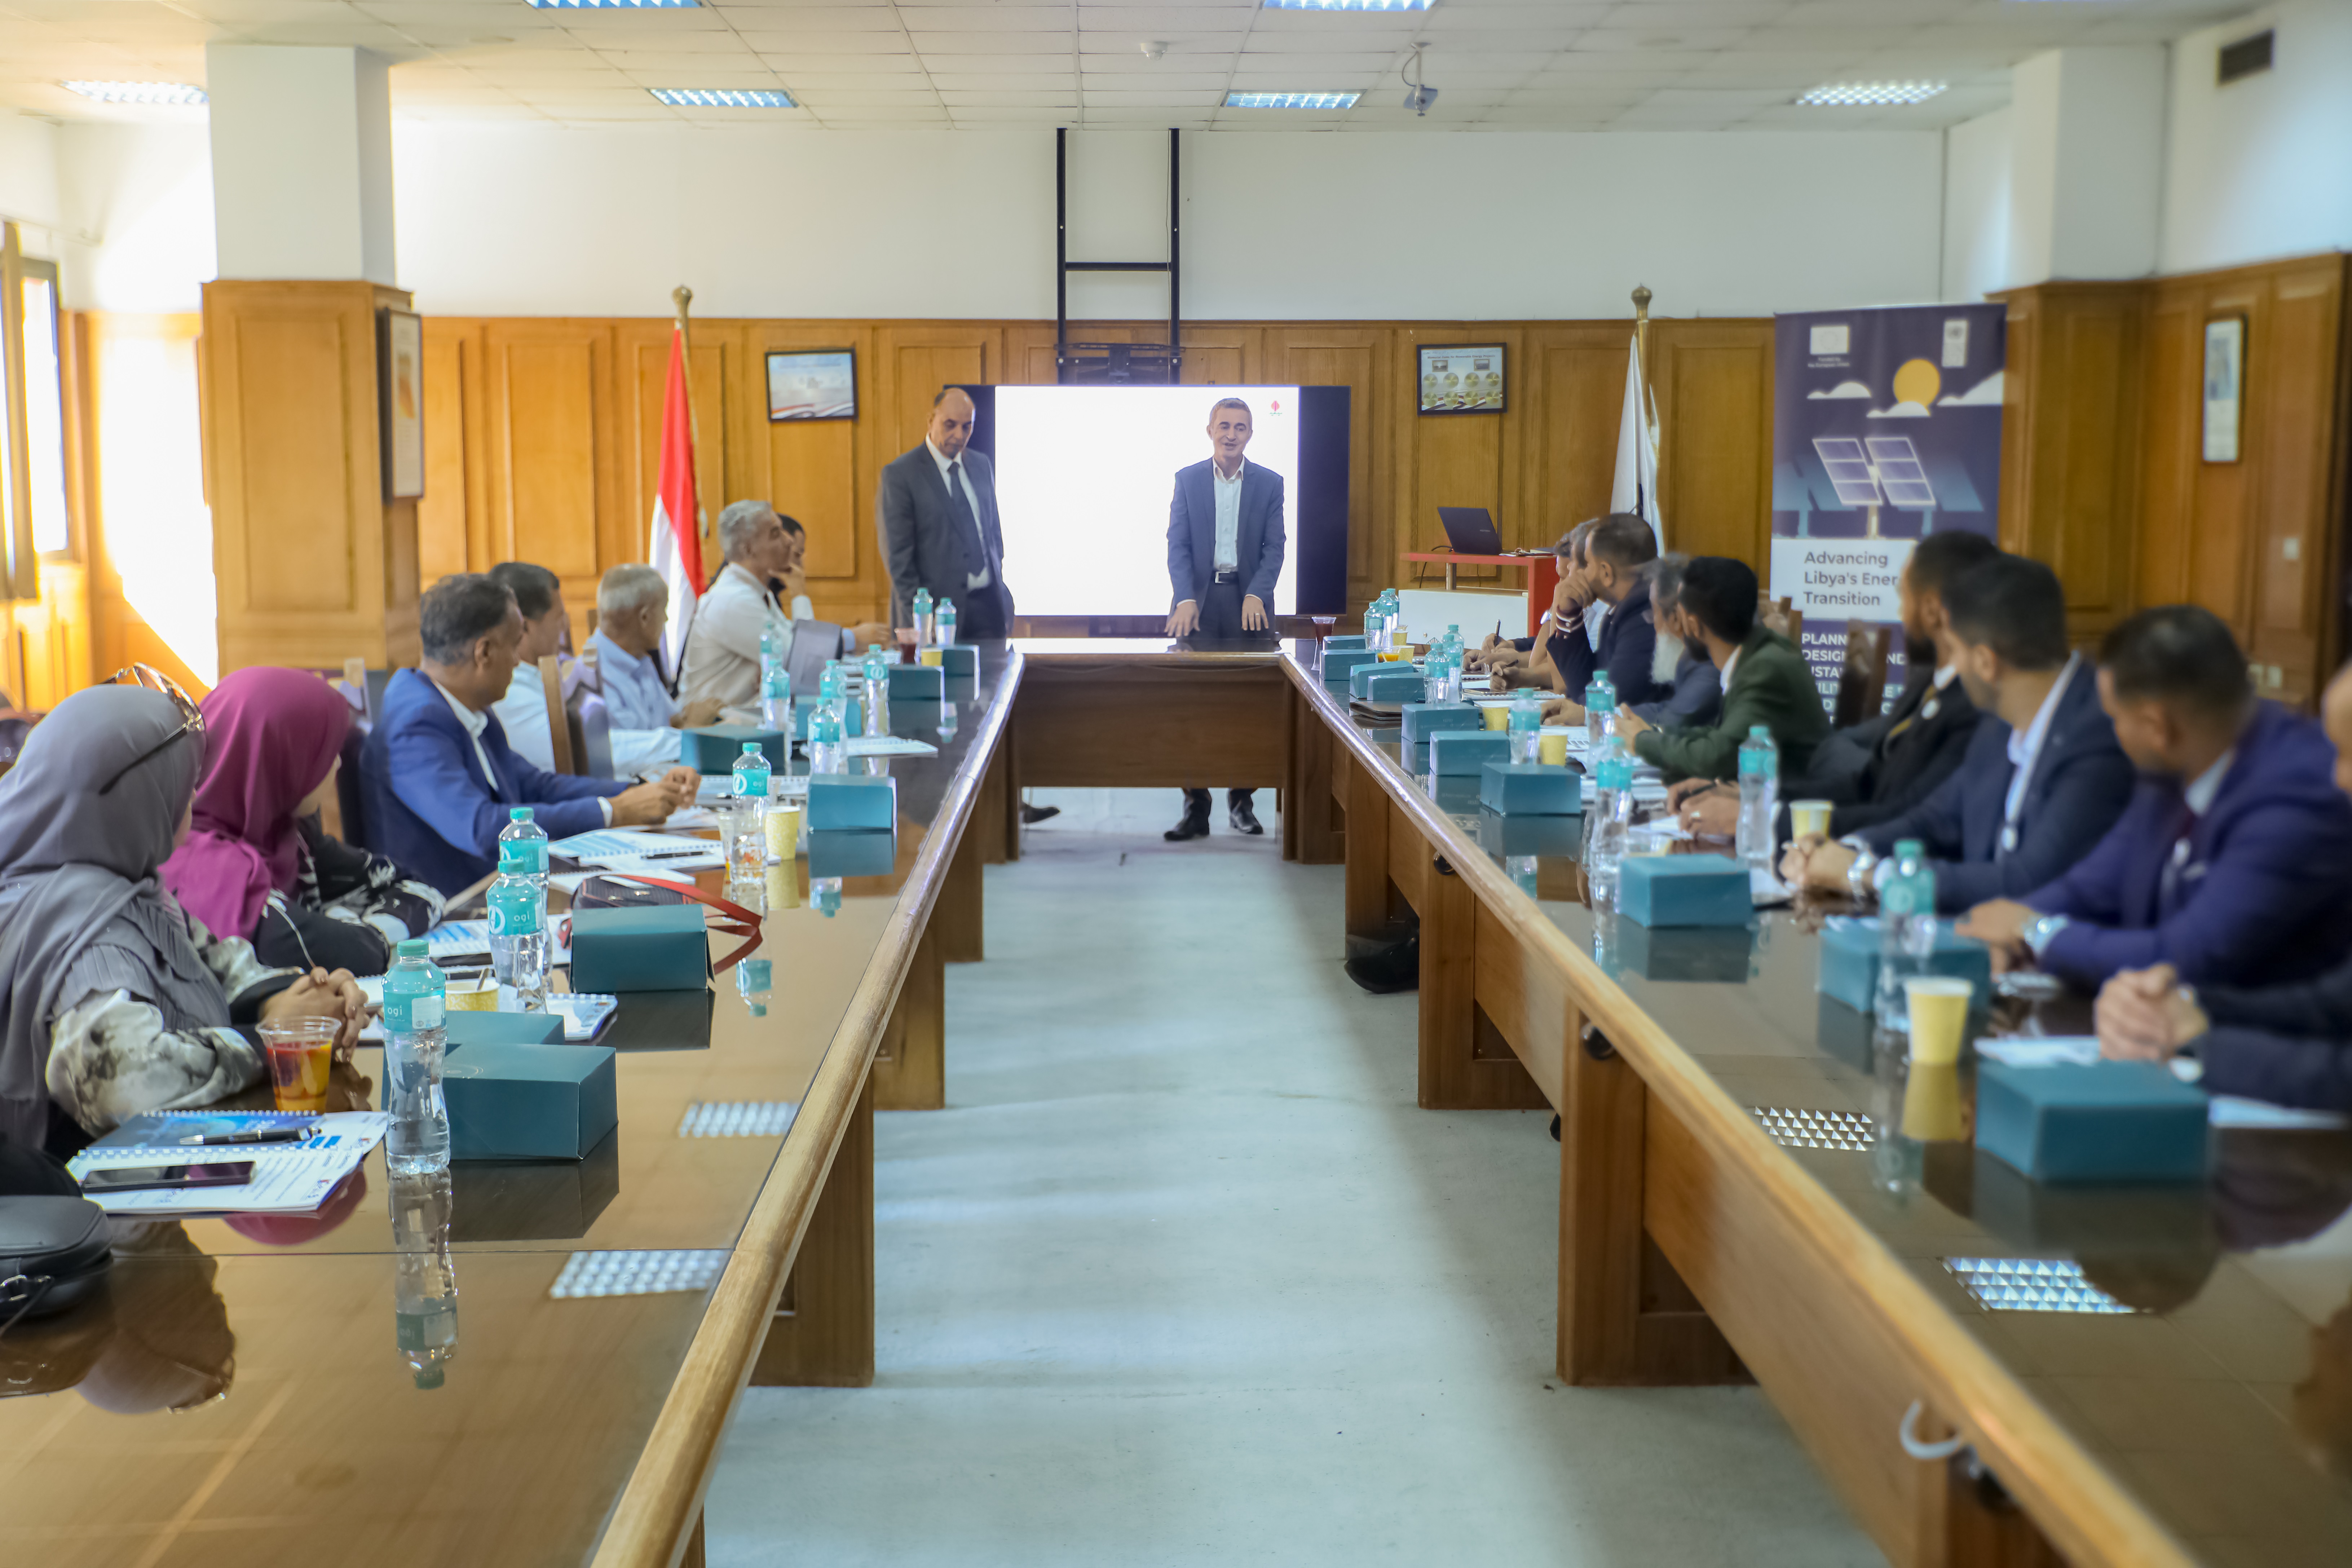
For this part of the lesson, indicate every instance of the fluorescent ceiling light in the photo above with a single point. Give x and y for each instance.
(137, 91)
(1291, 99)
(1349, 4)
(1868, 94)
(723, 97)
(613, 4)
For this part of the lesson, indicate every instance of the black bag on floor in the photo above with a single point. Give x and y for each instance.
(1389, 961)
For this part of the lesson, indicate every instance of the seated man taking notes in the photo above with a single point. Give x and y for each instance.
(1224, 557)
(2233, 862)
(722, 649)
(440, 777)
(1765, 681)
(2042, 777)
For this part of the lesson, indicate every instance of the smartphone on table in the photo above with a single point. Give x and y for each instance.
(149, 1178)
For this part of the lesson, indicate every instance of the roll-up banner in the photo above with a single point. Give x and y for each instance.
(1886, 427)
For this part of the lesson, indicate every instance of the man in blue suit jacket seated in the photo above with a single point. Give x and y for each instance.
(2042, 777)
(2233, 860)
(440, 777)
(2290, 1045)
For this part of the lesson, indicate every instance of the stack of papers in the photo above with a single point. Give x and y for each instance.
(887, 746)
(287, 1178)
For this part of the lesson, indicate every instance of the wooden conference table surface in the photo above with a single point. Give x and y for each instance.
(2216, 1391)
(297, 1433)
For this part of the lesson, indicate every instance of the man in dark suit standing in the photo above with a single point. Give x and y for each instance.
(1224, 556)
(937, 514)
(2042, 777)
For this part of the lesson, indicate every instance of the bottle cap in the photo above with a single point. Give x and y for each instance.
(1910, 848)
(520, 814)
(1759, 732)
(413, 948)
(751, 749)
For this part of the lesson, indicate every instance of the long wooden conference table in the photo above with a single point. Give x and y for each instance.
(1736, 1200)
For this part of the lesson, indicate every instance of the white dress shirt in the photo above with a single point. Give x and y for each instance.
(1228, 492)
(973, 581)
(722, 652)
(528, 721)
(2025, 750)
(2200, 795)
(1597, 612)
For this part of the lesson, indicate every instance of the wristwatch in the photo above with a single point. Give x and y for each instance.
(1861, 876)
(2038, 931)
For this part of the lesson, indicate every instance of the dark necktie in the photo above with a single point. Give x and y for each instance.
(975, 560)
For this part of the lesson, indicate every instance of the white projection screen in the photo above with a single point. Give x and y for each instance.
(1084, 475)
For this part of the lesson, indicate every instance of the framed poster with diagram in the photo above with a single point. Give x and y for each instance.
(1462, 378)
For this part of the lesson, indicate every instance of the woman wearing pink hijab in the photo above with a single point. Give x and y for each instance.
(257, 864)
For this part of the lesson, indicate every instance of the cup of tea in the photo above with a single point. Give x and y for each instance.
(301, 1054)
(1809, 818)
(1498, 717)
(1552, 748)
(1939, 1017)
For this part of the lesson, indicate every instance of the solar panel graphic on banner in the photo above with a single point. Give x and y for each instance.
(1900, 472)
(1849, 470)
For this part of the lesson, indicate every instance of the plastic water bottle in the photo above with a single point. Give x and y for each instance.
(1396, 638)
(1526, 727)
(415, 994)
(1613, 821)
(922, 619)
(1375, 622)
(775, 695)
(425, 1280)
(1759, 796)
(876, 670)
(1907, 930)
(1600, 708)
(749, 803)
(944, 620)
(828, 750)
(521, 830)
(518, 936)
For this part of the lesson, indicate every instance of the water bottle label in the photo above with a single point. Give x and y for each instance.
(407, 1014)
(514, 912)
(742, 785)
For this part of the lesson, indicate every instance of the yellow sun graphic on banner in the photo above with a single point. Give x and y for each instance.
(1917, 382)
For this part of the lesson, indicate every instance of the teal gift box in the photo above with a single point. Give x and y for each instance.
(852, 717)
(527, 1102)
(854, 854)
(1465, 751)
(1684, 891)
(539, 1200)
(1716, 954)
(713, 750)
(1343, 645)
(1387, 683)
(1422, 720)
(1530, 789)
(1559, 837)
(959, 660)
(652, 947)
(1340, 664)
(466, 1028)
(855, 801)
(2093, 1121)
(918, 682)
(1850, 962)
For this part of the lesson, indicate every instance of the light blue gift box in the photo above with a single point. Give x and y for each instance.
(852, 854)
(1422, 720)
(2093, 1121)
(1392, 683)
(1531, 789)
(1850, 955)
(1684, 891)
(527, 1102)
(1465, 751)
(919, 682)
(853, 801)
(1339, 664)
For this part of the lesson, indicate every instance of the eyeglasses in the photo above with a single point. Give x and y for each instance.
(191, 718)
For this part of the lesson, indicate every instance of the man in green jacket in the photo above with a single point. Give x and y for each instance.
(1765, 681)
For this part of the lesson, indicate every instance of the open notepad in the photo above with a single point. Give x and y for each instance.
(287, 1178)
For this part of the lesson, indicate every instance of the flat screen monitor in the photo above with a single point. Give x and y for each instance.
(1084, 476)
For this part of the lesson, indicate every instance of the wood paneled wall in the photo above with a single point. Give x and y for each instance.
(2102, 473)
(542, 433)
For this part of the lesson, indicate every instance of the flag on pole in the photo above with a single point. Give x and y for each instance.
(1636, 487)
(675, 547)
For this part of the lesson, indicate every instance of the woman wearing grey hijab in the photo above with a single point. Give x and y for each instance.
(113, 1000)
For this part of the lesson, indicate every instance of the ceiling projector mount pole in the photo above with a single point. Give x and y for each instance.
(1116, 364)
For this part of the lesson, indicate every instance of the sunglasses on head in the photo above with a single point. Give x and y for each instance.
(191, 718)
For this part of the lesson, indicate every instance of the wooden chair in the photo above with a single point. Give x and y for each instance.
(1862, 683)
(559, 729)
(1778, 615)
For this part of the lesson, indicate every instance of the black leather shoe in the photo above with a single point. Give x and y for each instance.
(1189, 827)
(1243, 819)
(1035, 813)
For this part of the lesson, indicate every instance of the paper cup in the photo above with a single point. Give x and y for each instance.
(934, 656)
(1552, 748)
(1498, 717)
(479, 997)
(1932, 1112)
(301, 1056)
(783, 830)
(1808, 817)
(1939, 1017)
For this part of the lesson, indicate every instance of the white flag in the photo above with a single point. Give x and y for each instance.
(1636, 487)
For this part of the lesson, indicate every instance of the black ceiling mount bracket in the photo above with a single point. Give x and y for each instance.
(1076, 363)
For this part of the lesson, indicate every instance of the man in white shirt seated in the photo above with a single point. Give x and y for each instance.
(522, 712)
(632, 614)
(722, 651)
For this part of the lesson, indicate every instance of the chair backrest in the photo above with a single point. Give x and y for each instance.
(591, 723)
(15, 729)
(1862, 683)
(558, 731)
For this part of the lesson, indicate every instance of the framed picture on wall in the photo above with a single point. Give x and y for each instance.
(1462, 378)
(2225, 380)
(400, 396)
(818, 386)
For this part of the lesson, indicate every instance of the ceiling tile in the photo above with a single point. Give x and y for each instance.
(1384, 43)
(694, 65)
(1163, 21)
(814, 44)
(930, 44)
(1120, 82)
(1003, 63)
(1010, 99)
(1173, 47)
(814, 19)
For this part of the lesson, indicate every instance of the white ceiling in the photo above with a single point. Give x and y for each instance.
(1706, 64)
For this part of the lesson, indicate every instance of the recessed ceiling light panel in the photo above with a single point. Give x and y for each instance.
(1871, 94)
(613, 5)
(1291, 99)
(1349, 4)
(723, 97)
(137, 91)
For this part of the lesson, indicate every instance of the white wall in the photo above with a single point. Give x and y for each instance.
(2086, 163)
(138, 217)
(2261, 168)
(1977, 164)
(29, 170)
(503, 219)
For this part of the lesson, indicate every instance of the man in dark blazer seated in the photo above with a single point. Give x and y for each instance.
(1617, 555)
(1224, 556)
(440, 778)
(2042, 777)
(2233, 862)
(1765, 681)
(936, 510)
(1889, 763)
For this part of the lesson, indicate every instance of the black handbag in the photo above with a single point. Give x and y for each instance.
(54, 1255)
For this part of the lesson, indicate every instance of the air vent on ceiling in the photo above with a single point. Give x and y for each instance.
(2247, 56)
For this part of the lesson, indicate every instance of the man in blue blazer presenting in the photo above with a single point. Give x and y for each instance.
(440, 777)
(2233, 861)
(1224, 556)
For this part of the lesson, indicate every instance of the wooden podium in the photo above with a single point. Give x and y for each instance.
(1543, 575)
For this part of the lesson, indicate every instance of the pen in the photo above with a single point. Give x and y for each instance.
(259, 1135)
